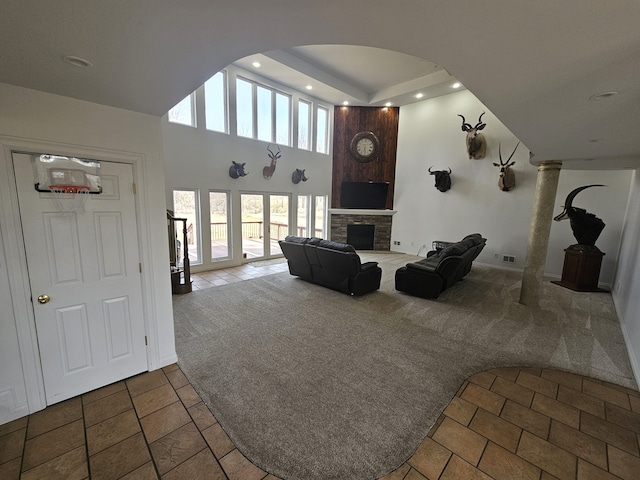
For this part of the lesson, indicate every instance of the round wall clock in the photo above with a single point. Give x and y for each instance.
(364, 146)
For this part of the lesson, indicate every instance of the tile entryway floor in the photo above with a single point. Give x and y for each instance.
(509, 423)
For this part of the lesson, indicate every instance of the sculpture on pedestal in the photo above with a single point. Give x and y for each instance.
(586, 226)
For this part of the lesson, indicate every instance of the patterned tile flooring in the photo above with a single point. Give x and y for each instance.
(507, 423)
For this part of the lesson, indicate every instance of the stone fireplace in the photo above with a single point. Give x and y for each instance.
(380, 220)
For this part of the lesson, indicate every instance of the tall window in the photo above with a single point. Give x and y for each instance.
(320, 216)
(184, 112)
(244, 108)
(220, 237)
(304, 125)
(283, 119)
(263, 97)
(215, 103)
(186, 205)
(322, 130)
(303, 217)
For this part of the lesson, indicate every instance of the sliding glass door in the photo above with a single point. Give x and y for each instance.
(265, 220)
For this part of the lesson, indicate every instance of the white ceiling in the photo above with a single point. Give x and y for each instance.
(534, 64)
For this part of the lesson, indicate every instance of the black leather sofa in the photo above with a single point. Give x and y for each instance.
(442, 268)
(330, 264)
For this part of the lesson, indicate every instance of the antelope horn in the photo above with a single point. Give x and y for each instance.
(569, 200)
(449, 171)
(464, 123)
(480, 118)
(430, 168)
(514, 151)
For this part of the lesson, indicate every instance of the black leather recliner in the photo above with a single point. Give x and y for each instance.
(429, 277)
(330, 264)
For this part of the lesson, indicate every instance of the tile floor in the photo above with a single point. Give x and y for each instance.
(507, 423)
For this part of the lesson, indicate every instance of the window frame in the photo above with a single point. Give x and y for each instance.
(225, 102)
(192, 101)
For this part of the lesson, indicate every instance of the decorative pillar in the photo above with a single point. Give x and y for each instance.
(546, 188)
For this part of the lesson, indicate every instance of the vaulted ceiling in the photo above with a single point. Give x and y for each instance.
(537, 65)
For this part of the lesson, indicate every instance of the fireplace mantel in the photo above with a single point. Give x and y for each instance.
(360, 211)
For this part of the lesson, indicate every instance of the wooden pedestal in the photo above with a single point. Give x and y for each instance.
(581, 271)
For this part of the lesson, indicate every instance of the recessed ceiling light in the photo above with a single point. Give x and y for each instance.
(77, 61)
(420, 95)
(456, 85)
(603, 95)
(388, 104)
(256, 64)
(309, 87)
(345, 103)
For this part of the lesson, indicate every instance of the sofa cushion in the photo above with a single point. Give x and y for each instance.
(294, 239)
(455, 249)
(340, 247)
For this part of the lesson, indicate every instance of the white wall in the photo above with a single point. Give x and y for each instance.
(430, 135)
(196, 158)
(627, 279)
(35, 120)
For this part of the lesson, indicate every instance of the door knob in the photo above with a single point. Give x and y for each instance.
(44, 298)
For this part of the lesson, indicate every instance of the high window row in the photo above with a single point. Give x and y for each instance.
(261, 112)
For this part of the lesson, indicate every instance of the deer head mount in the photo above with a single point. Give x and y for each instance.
(237, 170)
(298, 176)
(267, 172)
(443, 179)
(476, 143)
(507, 180)
(586, 226)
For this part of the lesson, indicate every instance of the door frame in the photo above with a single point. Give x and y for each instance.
(11, 231)
(266, 216)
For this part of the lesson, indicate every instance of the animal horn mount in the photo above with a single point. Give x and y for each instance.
(443, 179)
(476, 143)
(267, 172)
(507, 180)
(586, 226)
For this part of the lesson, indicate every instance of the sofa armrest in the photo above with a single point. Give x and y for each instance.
(368, 266)
(417, 267)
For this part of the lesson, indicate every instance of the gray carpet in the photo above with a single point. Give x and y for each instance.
(313, 384)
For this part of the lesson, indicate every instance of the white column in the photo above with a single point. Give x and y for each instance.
(546, 188)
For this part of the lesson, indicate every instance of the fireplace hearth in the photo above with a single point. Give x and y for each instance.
(342, 218)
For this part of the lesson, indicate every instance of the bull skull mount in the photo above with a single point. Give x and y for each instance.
(236, 170)
(443, 179)
(507, 180)
(586, 226)
(476, 143)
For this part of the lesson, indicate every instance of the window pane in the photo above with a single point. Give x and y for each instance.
(279, 221)
(220, 244)
(244, 108)
(283, 119)
(322, 130)
(304, 109)
(183, 112)
(304, 216)
(320, 216)
(185, 205)
(252, 207)
(214, 103)
(264, 113)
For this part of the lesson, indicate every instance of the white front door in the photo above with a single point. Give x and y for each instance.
(91, 332)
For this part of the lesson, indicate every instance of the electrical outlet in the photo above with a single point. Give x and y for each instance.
(496, 255)
(396, 242)
(508, 258)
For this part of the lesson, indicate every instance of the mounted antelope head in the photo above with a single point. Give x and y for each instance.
(298, 176)
(267, 171)
(443, 179)
(507, 179)
(476, 143)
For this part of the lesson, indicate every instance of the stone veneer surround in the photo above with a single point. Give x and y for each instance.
(340, 218)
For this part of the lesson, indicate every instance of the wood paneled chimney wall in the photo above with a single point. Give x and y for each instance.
(383, 122)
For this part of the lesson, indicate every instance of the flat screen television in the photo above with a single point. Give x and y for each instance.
(371, 195)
